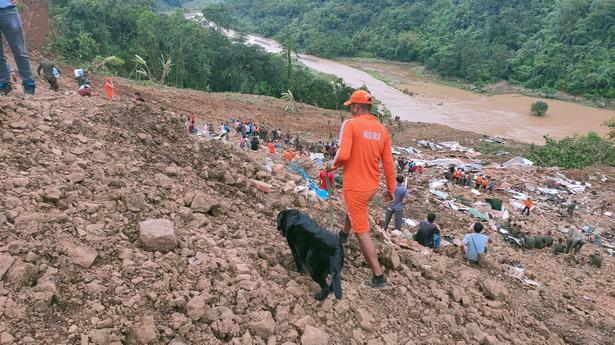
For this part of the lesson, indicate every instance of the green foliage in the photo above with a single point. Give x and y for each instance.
(219, 14)
(289, 102)
(171, 50)
(564, 45)
(539, 108)
(610, 124)
(105, 64)
(574, 152)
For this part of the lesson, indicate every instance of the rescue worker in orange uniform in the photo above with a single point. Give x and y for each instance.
(364, 145)
(528, 203)
(478, 182)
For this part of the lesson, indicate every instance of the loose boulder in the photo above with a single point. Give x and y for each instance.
(157, 235)
(314, 336)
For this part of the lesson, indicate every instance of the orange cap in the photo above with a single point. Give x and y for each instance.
(359, 97)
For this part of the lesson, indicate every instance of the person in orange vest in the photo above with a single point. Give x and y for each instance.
(486, 181)
(289, 154)
(457, 176)
(109, 88)
(478, 182)
(528, 203)
(364, 145)
(271, 147)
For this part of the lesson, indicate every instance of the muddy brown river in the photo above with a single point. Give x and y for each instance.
(506, 115)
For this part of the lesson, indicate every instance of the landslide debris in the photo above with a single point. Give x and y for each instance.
(119, 228)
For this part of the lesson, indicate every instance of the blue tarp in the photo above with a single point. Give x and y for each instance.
(320, 193)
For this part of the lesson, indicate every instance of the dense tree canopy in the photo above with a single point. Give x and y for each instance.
(547, 44)
(202, 58)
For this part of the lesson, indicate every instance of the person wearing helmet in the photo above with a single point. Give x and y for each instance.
(364, 145)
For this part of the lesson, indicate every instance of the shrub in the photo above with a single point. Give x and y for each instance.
(574, 152)
(539, 108)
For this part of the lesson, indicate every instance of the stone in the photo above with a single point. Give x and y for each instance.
(21, 274)
(21, 124)
(262, 324)
(263, 176)
(157, 235)
(314, 336)
(490, 340)
(134, 202)
(203, 203)
(79, 255)
(494, 290)
(6, 338)
(5, 263)
(100, 336)
(474, 331)
(52, 194)
(164, 181)
(145, 330)
(261, 186)
(391, 259)
(197, 307)
(171, 170)
(366, 321)
(76, 177)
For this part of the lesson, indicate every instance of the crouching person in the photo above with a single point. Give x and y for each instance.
(474, 245)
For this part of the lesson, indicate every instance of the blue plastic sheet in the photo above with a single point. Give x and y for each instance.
(320, 193)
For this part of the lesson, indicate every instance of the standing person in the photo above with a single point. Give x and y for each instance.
(528, 204)
(109, 88)
(428, 233)
(254, 144)
(478, 182)
(326, 179)
(49, 70)
(397, 206)
(271, 147)
(10, 28)
(243, 142)
(364, 144)
(475, 244)
(332, 151)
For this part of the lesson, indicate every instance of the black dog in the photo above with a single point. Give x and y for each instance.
(314, 249)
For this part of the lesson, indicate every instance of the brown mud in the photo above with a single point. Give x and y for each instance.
(81, 174)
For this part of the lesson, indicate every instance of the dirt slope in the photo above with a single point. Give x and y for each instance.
(81, 174)
(36, 23)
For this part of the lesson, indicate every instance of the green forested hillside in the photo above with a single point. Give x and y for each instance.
(553, 45)
(200, 58)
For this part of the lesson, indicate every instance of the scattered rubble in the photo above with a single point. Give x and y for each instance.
(109, 236)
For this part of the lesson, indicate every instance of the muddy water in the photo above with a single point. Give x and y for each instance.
(503, 115)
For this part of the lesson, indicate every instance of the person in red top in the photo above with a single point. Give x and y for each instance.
(364, 145)
(326, 179)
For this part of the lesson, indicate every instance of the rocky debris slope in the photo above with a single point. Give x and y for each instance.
(118, 228)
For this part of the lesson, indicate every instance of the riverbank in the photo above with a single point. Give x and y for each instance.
(503, 87)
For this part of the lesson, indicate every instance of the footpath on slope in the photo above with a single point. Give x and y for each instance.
(82, 262)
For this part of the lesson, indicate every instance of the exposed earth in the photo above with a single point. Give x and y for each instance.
(118, 227)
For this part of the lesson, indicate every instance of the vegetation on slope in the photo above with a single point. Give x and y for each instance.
(200, 58)
(551, 45)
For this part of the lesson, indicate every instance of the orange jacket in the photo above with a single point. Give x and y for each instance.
(271, 148)
(528, 203)
(479, 180)
(364, 143)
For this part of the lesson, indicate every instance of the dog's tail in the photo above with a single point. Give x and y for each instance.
(335, 266)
